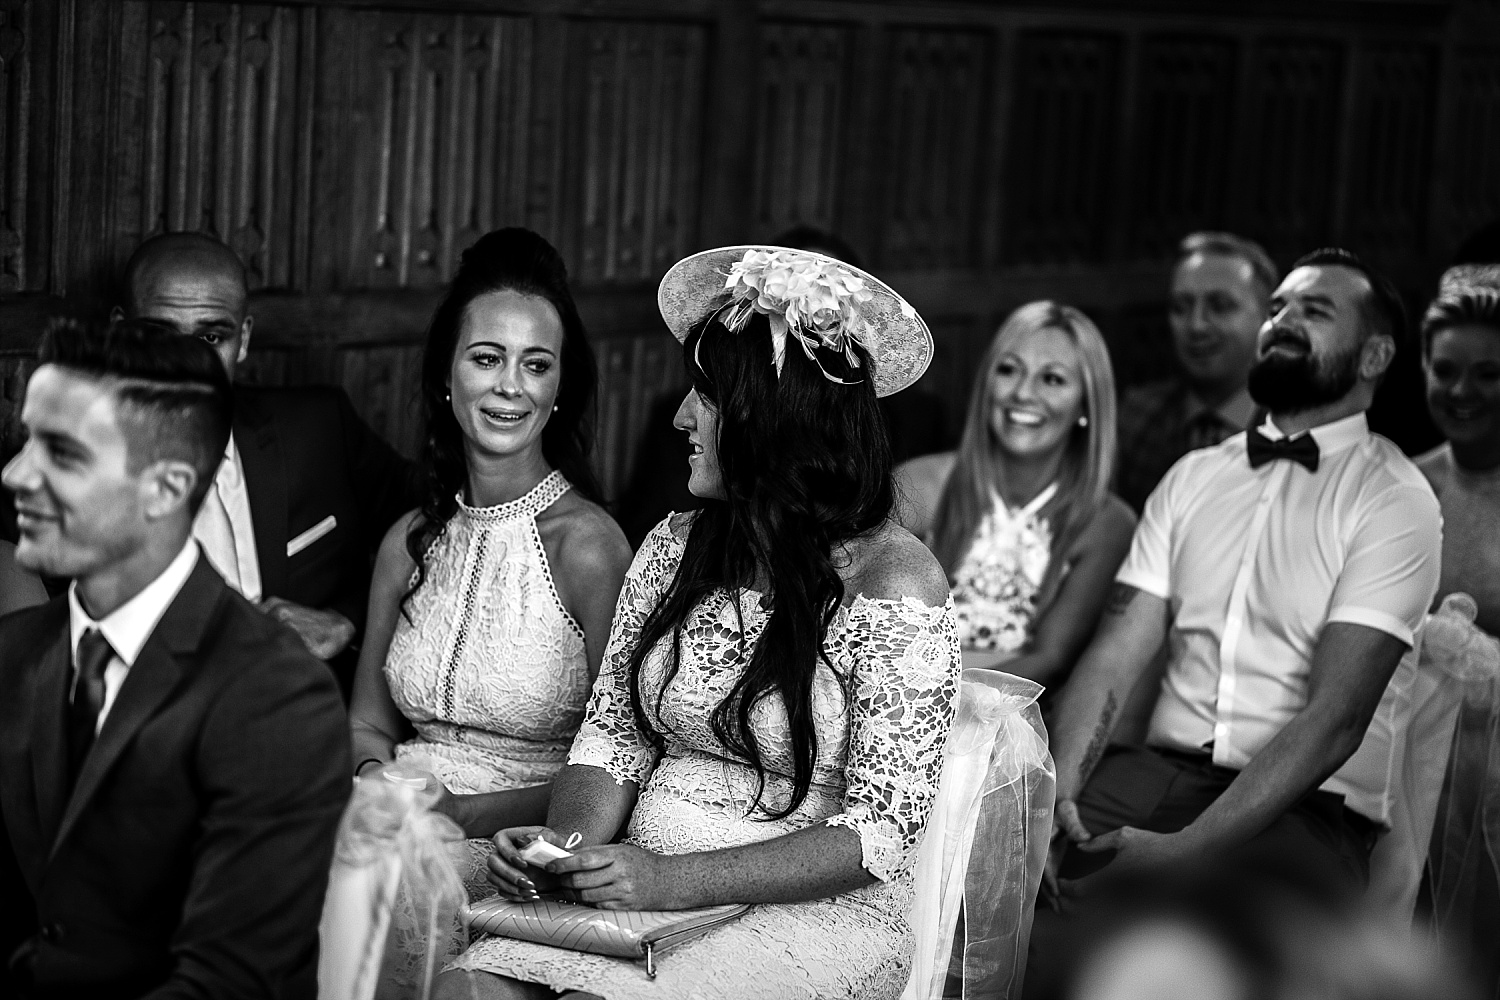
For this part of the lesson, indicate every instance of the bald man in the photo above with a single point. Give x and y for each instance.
(306, 490)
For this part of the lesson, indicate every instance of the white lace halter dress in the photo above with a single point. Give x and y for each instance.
(996, 583)
(879, 758)
(490, 668)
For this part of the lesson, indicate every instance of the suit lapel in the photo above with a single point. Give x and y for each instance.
(265, 483)
(49, 750)
(151, 680)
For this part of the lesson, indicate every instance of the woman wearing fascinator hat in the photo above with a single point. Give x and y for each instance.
(769, 722)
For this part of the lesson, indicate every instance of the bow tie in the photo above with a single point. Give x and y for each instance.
(1301, 449)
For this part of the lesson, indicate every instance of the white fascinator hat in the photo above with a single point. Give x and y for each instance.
(812, 300)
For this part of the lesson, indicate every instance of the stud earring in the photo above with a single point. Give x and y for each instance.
(554, 407)
(1083, 421)
(447, 397)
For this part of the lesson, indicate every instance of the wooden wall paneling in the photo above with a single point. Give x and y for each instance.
(1062, 146)
(16, 127)
(728, 129)
(384, 380)
(799, 154)
(431, 181)
(637, 93)
(1181, 140)
(1293, 142)
(635, 371)
(995, 177)
(1389, 169)
(929, 144)
(1474, 149)
(961, 341)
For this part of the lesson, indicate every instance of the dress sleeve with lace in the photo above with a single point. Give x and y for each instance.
(906, 664)
(609, 737)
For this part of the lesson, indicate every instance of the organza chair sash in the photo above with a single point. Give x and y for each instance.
(1457, 663)
(986, 842)
(394, 892)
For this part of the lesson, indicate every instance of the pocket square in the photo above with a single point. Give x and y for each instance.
(311, 535)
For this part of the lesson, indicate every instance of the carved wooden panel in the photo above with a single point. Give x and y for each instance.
(635, 141)
(383, 381)
(1392, 152)
(1062, 146)
(1294, 142)
(15, 139)
(799, 133)
(221, 133)
(960, 345)
(1476, 144)
(929, 143)
(633, 373)
(440, 157)
(1182, 136)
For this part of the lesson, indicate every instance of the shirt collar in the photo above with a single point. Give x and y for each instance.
(129, 626)
(229, 470)
(1235, 411)
(1336, 435)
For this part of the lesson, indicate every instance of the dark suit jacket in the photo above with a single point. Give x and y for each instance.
(307, 457)
(191, 857)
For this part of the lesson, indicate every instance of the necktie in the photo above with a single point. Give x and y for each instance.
(1301, 449)
(214, 530)
(94, 654)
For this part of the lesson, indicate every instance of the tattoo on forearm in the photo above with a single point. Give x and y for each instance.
(1100, 739)
(1120, 596)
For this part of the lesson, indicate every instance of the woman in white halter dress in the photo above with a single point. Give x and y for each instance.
(490, 606)
(1021, 515)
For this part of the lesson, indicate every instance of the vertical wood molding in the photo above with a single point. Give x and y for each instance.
(636, 104)
(799, 152)
(1387, 174)
(930, 141)
(16, 39)
(1063, 146)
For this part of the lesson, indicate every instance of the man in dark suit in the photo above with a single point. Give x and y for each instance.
(306, 490)
(172, 762)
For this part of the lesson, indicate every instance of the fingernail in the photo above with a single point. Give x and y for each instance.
(527, 883)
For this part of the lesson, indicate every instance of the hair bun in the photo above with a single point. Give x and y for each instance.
(514, 251)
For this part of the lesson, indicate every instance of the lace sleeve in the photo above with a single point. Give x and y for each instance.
(906, 669)
(609, 737)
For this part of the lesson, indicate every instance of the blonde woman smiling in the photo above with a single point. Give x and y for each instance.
(1021, 515)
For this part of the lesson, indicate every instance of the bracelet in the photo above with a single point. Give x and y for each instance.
(368, 760)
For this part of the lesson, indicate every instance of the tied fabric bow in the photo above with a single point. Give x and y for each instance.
(812, 300)
(1301, 449)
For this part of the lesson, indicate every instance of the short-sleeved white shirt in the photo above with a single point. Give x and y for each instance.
(1254, 562)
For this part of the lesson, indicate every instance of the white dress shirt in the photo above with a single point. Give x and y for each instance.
(225, 530)
(129, 626)
(1254, 562)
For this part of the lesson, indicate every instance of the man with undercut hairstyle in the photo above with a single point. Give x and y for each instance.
(306, 490)
(1220, 284)
(1287, 569)
(173, 762)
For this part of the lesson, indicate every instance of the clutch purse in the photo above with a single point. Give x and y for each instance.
(634, 934)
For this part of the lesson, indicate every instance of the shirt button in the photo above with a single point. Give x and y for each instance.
(52, 933)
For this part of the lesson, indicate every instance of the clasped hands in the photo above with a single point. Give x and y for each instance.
(608, 876)
(1134, 849)
(325, 633)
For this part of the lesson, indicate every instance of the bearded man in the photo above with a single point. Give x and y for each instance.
(1287, 568)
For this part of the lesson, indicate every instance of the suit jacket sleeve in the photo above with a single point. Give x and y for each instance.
(273, 761)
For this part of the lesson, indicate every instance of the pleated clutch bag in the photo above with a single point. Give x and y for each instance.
(634, 934)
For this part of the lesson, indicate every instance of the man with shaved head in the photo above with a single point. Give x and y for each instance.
(306, 490)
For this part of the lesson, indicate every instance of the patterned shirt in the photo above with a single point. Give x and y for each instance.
(1162, 421)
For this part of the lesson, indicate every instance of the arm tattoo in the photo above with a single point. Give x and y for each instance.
(1120, 596)
(1100, 739)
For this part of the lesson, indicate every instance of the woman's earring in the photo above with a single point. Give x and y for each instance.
(554, 407)
(447, 397)
(1083, 421)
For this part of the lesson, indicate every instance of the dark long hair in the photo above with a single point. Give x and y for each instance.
(516, 260)
(806, 465)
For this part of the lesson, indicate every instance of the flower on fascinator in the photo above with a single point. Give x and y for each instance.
(814, 300)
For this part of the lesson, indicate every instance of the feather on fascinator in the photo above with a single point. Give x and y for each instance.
(809, 298)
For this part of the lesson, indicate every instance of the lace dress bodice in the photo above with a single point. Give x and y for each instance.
(996, 583)
(487, 663)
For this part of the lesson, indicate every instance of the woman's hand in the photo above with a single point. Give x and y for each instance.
(455, 807)
(514, 878)
(620, 877)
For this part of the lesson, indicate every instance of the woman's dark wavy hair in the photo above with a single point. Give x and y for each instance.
(806, 465)
(515, 260)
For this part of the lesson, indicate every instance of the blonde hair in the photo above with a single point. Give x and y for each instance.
(1088, 459)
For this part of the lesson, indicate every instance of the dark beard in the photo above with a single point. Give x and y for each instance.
(1290, 384)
